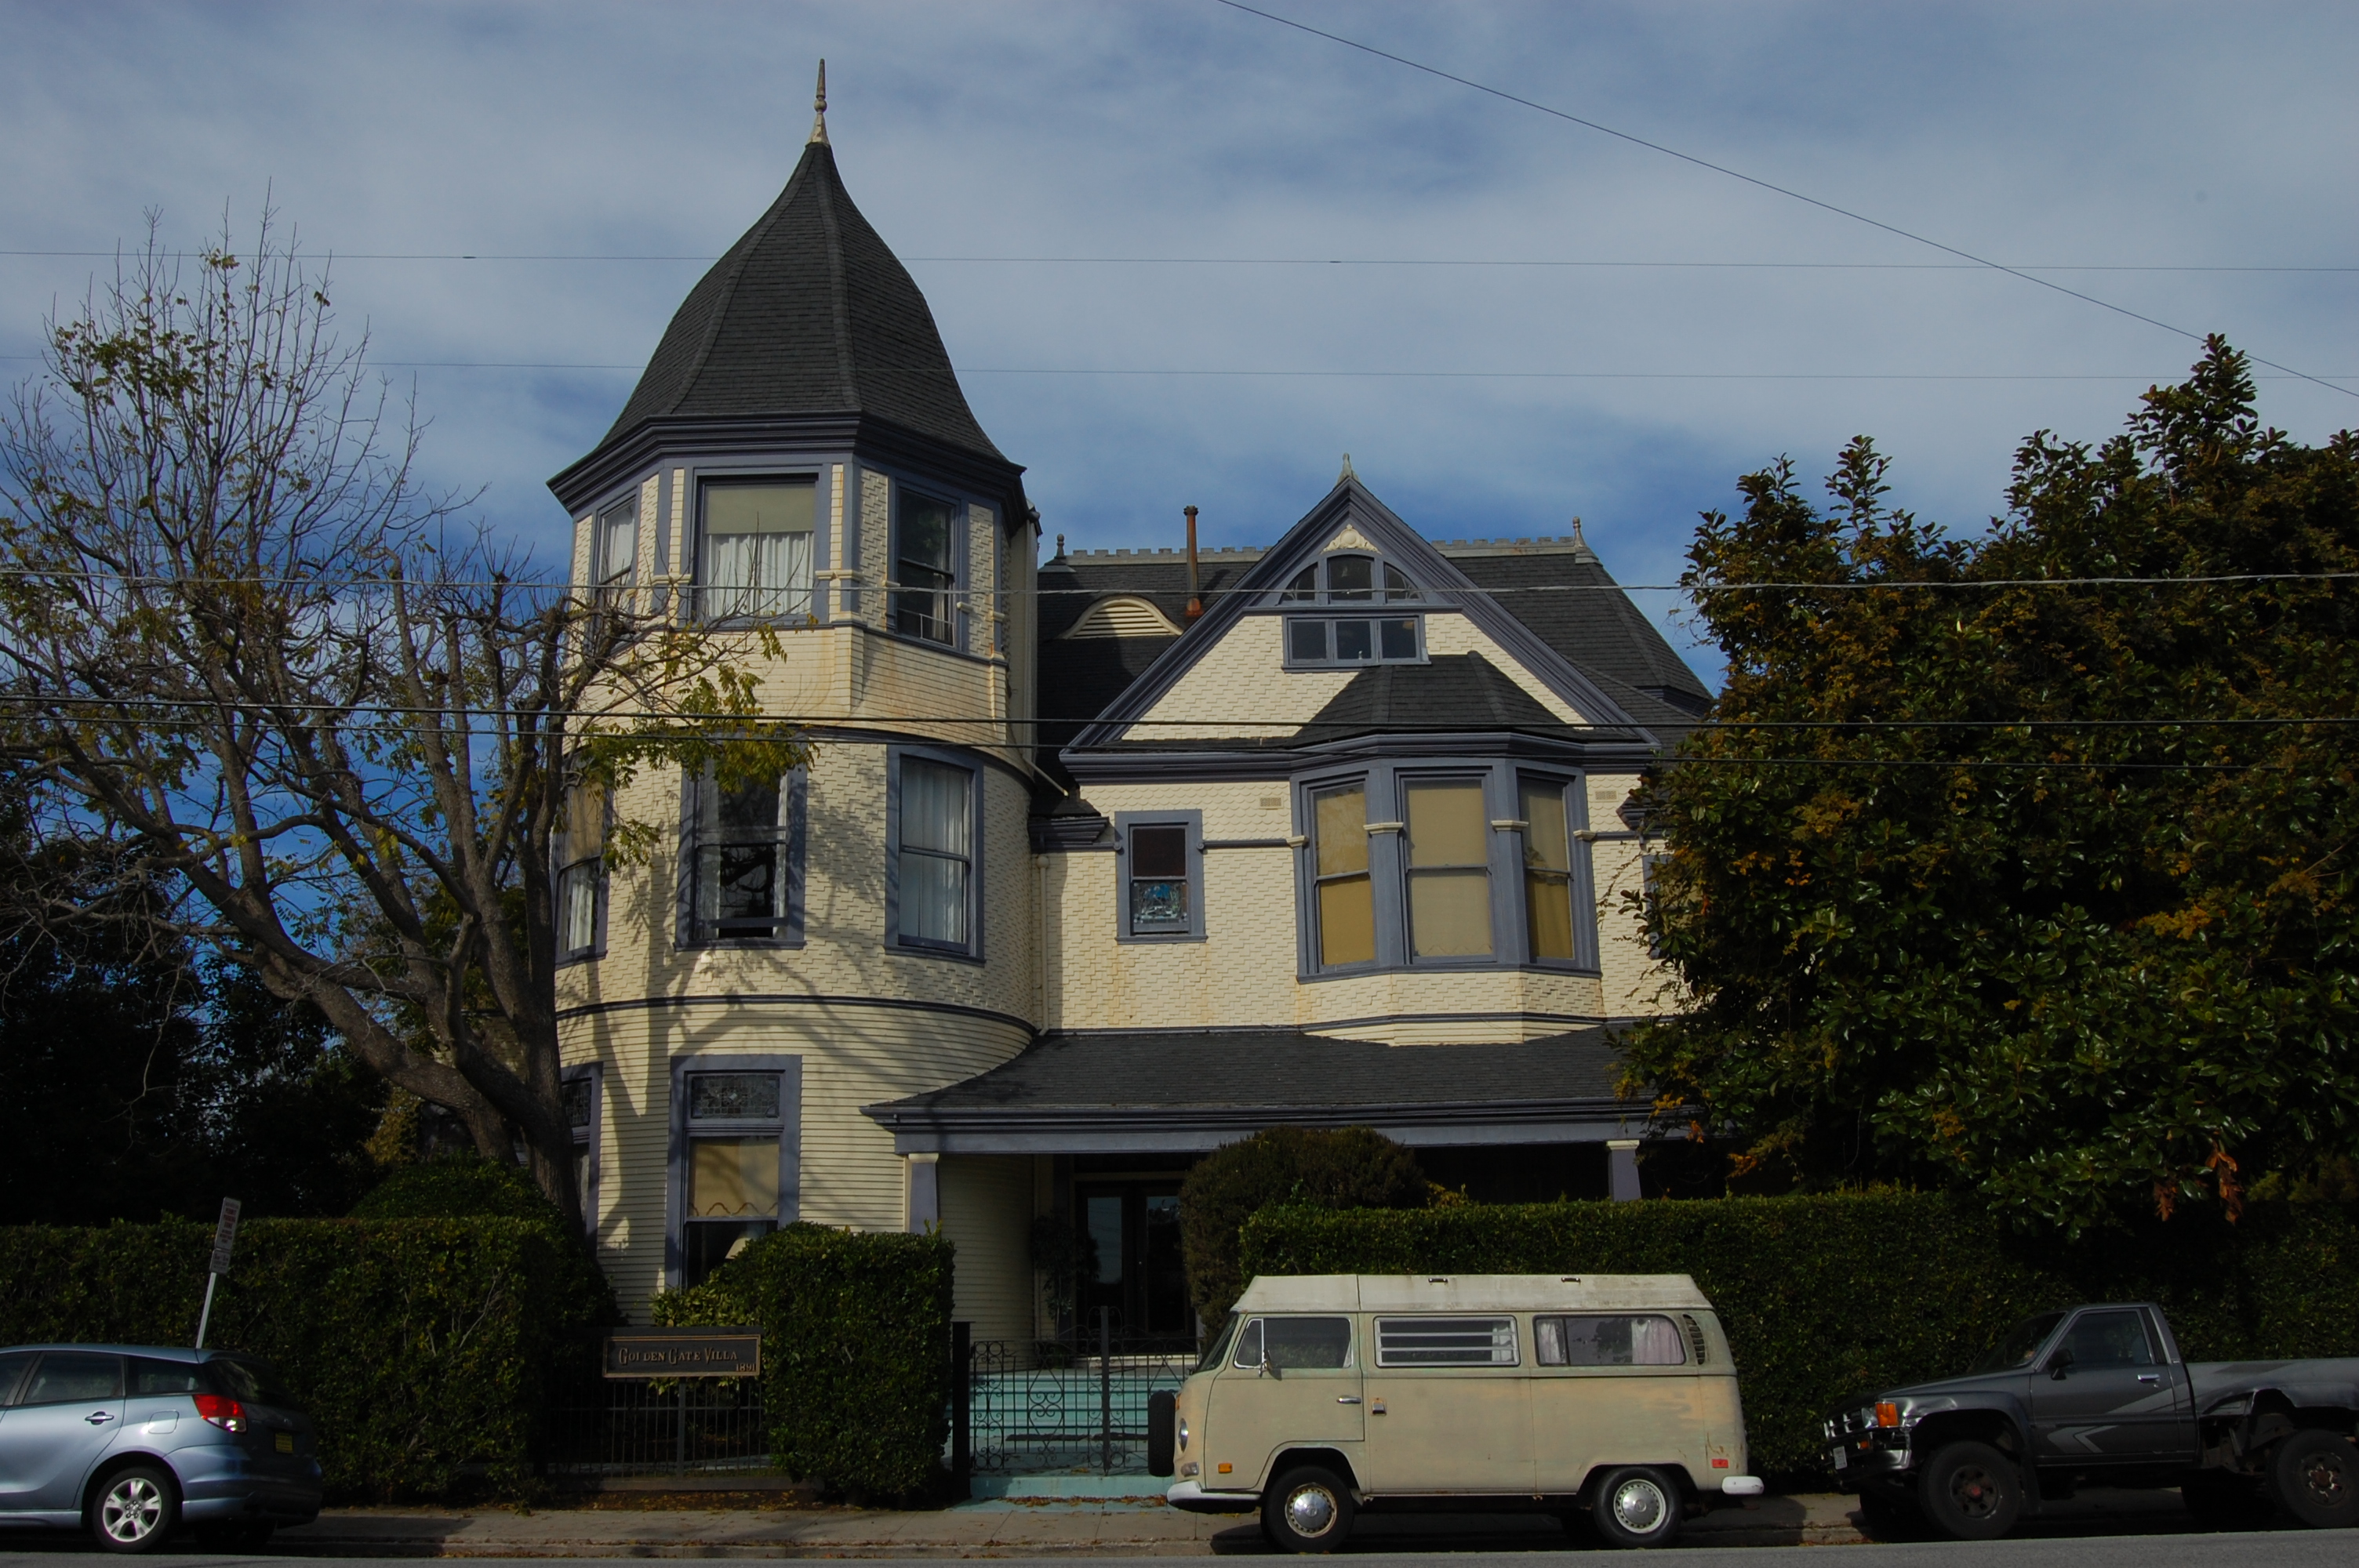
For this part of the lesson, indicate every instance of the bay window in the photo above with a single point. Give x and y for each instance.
(741, 872)
(616, 548)
(758, 536)
(1345, 895)
(925, 567)
(1448, 839)
(580, 876)
(934, 811)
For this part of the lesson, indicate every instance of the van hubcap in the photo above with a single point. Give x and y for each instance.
(131, 1509)
(1311, 1512)
(1638, 1505)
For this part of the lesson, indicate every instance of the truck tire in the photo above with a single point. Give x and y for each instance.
(1308, 1509)
(1635, 1506)
(1162, 1430)
(1970, 1492)
(2314, 1479)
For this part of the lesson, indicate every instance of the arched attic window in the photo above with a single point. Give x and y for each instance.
(1350, 580)
(1123, 616)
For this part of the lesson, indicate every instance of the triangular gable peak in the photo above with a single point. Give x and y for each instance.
(1386, 565)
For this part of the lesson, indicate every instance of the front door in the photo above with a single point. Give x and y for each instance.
(65, 1416)
(1130, 1237)
(2105, 1396)
(1449, 1406)
(1291, 1382)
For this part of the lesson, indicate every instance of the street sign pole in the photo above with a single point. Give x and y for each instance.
(224, 1238)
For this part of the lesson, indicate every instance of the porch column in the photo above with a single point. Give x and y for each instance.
(1622, 1169)
(921, 1184)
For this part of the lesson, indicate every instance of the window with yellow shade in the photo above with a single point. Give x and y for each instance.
(1340, 852)
(1448, 839)
(734, 1174)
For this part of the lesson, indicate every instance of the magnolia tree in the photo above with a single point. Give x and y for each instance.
(313, 717)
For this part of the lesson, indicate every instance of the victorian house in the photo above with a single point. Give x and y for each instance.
(1098, 862)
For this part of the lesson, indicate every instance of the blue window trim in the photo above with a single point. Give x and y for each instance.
(794, 792)
(961, 531)
(1385, 780)
(894, 941)
(788, 1127)
(1193, 821)
(590, 1137)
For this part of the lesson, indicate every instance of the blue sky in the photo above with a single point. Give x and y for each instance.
(1479, 400)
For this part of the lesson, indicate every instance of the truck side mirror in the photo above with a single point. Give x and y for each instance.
(2059, 1364)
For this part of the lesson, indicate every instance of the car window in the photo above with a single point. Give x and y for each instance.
(12, 1369)
(2102, 1339)
(247, 1378)
(66, 1377)
(1296, 1344)
(2020, 1344)
(1641, 1340)
(1218, 1350)
(1445, 1342)
(152, 1378)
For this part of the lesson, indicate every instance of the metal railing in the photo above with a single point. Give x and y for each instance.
(1032, 1407)
(681, 1426)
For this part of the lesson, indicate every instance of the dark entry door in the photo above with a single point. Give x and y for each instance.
(1132, 1229)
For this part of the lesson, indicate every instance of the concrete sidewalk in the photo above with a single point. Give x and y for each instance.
(1028, 1527)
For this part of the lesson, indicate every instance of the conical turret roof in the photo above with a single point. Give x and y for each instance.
(809, 313)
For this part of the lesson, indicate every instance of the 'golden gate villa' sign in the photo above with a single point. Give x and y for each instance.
(684, 1353)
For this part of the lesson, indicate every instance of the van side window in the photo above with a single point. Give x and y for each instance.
(1296, 1344)
(1445, 1342)
(1619, 1341)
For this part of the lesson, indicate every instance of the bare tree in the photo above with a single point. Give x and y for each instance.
(325, 725)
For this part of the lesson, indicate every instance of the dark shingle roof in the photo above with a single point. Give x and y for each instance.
(1594, 626)
(1272, 1067)
(1449, 691)
(809, 313)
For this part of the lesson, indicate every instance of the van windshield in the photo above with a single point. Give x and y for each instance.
(2020, 1344)
(1220, 1346)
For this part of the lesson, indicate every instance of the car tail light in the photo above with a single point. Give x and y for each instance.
(223, 1411)
(1887, 1412)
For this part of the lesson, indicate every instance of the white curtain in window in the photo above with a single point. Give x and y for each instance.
(762, 576)
(936, 850)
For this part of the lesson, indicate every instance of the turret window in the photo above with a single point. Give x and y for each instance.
(742, 860)
(757, 549)
(925, 569)
(1350, 580)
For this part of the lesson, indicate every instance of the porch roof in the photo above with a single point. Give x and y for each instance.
(1186, 1091)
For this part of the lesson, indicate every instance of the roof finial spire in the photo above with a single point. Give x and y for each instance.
(1347, 473)
(819, 106)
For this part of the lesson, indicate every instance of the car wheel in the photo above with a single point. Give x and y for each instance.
(2314, 1478)
(137, 1509)
(1970, 1492)
(1308, 1509)
(1635, 1507)
(2217, 1500)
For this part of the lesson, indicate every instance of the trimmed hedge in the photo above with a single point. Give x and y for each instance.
(458, 1186)
(1828, 1299)
(1346, 1167)
(419, 1346)
(856, 1350)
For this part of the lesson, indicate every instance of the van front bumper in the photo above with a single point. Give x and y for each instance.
(1192, 1497)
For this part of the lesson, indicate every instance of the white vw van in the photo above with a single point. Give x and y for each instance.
(1609, 1394)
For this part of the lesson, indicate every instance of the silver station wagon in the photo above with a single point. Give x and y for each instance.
(1609, 1398)
(135, 1441)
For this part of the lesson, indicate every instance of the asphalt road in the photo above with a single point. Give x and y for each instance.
(2291, 1548)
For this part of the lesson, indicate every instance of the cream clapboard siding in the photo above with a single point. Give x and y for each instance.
(1636, 985)
(987, 1214)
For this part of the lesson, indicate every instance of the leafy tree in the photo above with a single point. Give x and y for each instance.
(324, 727)
(2076, 930)
(1352, 1167)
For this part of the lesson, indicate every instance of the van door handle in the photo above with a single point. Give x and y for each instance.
(1347, 1399)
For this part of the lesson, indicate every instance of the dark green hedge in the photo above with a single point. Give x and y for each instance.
(856, 1350)
(1827, 1299)
(458, 1186)
(419, 1346)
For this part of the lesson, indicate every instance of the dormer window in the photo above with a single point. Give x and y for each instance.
(757, 561)
(1344, 580)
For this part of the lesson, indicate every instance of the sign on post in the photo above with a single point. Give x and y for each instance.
(224, 1238)
(684, 1353)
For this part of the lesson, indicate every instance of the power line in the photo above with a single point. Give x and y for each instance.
(1762, 184)
(333, 256)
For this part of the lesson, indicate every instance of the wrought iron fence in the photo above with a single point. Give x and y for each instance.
(680, 1426)
(1041, 1407)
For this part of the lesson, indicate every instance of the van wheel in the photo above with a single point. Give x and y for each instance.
(1970, 1492)
(1308, 1509)
(2314, 1478)
(137, 1509)
(1636, 1507)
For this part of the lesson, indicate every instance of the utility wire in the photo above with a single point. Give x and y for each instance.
(1762, 184)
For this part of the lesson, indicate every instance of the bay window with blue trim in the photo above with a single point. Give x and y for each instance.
(933, 874)
(1446, 865)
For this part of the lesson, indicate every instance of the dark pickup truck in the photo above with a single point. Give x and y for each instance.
(2098, 1396)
